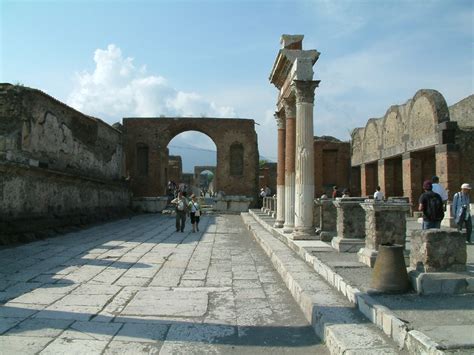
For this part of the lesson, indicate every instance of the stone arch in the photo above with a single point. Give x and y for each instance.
(371, 141)
(357, 136)
(392, 132)
(427, 109)
(157, 132)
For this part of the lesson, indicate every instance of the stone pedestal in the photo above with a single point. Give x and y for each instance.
(438, 263)
(350, 225)
(385, 223)
(233, 204)
(436, 250)
(448, 220)
(327, 214)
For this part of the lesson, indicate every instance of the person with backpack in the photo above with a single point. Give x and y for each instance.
(462, 210)
(181, 209)
(432, 206)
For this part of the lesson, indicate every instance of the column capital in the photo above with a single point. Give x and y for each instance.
(289, 106)
(280, 119)
(304, 90)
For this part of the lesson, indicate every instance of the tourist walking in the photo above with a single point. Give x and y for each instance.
(439, 189)
(432, 206)
(195, 213)
(378, 195)
(181, 209)
(462, 210)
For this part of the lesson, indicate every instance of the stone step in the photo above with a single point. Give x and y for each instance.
(333, 317)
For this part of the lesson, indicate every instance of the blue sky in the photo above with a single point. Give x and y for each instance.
(113, 59)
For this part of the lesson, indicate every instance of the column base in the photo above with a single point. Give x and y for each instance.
(305, 234)
(367, 256)
(347, 245)
(288, 228)
(326, 236)
(278, 224)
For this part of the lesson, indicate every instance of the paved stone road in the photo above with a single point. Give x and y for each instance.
(137, 286)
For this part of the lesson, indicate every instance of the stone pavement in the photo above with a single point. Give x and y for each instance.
(422, 324)
(136, 286)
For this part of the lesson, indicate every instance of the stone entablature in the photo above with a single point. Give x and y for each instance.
(420, 123)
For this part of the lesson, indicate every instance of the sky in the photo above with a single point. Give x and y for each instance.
(121, 58)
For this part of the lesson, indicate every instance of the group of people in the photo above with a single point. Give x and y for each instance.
(186, 207)
(433, 203)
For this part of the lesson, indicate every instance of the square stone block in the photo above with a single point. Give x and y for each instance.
(436, 250)
(167, 303)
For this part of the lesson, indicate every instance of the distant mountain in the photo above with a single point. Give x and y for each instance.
(193, 156)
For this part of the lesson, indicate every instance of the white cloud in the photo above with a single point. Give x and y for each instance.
(117, 88)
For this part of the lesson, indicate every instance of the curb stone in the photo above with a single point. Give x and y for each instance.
(333, 317)
(414, 341)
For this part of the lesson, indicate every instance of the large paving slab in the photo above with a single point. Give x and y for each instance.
(136, 286)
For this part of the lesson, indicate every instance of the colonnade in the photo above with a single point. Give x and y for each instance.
(292, 74)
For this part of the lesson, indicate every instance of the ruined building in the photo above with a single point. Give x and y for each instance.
(57, 166)
(413, 142)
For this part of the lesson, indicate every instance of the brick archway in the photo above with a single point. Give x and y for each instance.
(156, 132)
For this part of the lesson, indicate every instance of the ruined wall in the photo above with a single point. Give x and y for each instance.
(268, 176)
(463, 112)
(331, 164)
(235, 140)
(56, 164)
(404, 128)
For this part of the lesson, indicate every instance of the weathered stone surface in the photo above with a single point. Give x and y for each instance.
(58, 167)
(327, 222)
(235, 140)
(350, 218)
(436, 250)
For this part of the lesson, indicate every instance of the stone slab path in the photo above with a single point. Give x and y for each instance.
(137, 286)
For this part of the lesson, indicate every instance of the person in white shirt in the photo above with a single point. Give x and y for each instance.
(378, 195)
(439, 189)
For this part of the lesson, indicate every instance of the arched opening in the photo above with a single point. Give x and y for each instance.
(191, 152)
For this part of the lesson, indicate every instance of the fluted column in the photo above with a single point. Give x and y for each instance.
(304, 168)
(280, 217)
(290, 139)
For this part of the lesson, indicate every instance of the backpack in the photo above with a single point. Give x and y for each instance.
(434, 208)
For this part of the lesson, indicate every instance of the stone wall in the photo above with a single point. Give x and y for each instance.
(235, 140)
(331, 164)
(57, 165)
(408, 127)
(463, 112)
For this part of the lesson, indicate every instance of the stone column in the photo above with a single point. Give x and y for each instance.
(447, 167)
(280, 216)
(412, 184)
(385, 223)
(290, 138)
(304, 167)
(363, 181)
(350, 225)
